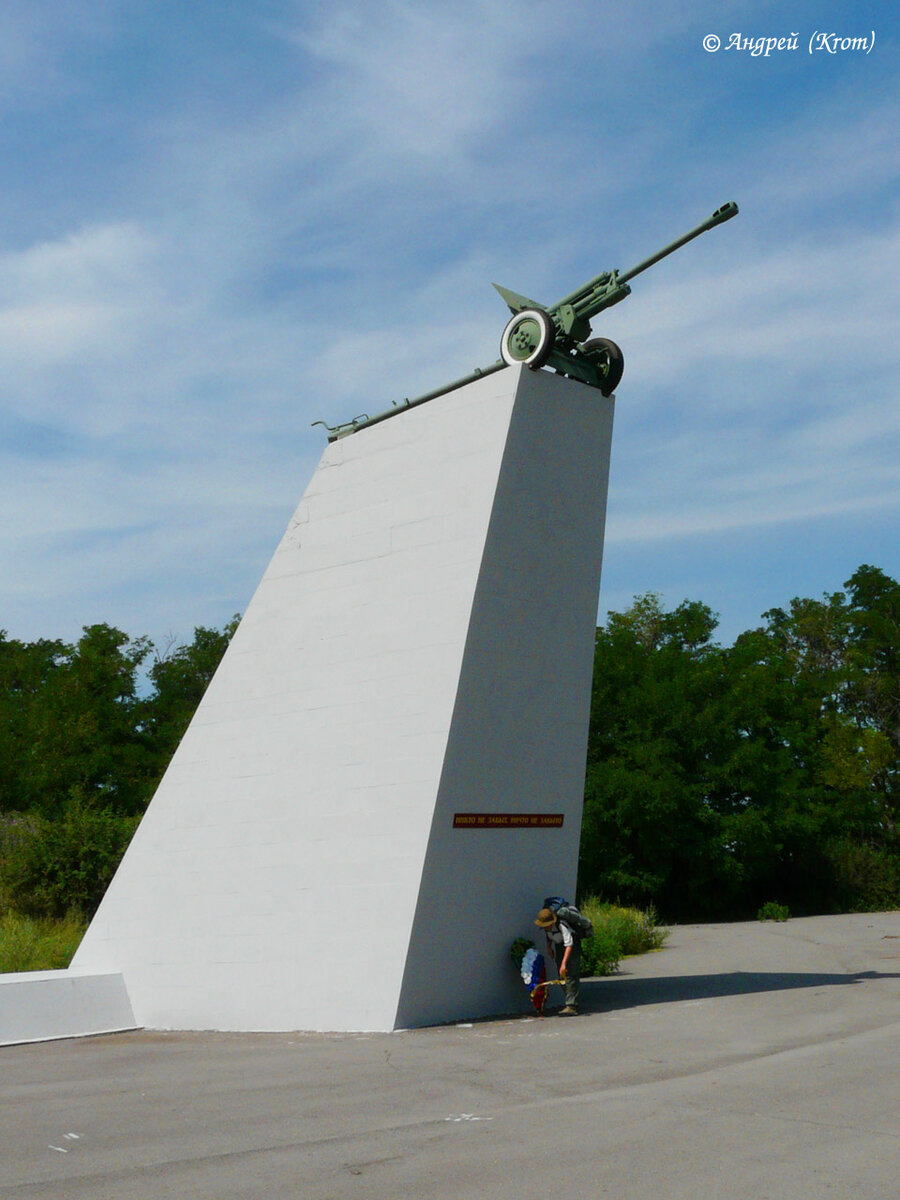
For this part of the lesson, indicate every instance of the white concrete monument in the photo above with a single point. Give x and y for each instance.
(385, 776)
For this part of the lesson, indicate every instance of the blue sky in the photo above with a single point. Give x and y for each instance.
(222, 221)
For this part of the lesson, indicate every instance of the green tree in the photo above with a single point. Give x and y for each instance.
(648, 834)
(774, 812)
(871, 699)
(27, 673)
(719, 779)
(74, 722)
(82, 748)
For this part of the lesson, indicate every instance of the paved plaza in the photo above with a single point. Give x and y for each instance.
(754, 1060)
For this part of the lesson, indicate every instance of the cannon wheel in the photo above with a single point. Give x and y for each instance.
(527, 339)
(609, 359)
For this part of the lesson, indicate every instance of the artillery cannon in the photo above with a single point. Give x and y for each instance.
(557, 335)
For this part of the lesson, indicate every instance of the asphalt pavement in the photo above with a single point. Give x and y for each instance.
(754, 1061)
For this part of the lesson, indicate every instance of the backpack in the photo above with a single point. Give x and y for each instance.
(568, 913)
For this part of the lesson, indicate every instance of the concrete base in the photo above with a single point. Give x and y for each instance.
(38, 1006)
(385, 776)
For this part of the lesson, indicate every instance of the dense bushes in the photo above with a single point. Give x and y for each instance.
(51, 866)
(618, 933)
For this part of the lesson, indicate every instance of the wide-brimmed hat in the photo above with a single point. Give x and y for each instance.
(545, 918)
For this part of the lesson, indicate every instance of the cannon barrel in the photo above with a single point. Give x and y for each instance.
(610, 281)
(725, 213)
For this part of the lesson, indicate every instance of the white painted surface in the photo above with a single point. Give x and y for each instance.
(38, 1006)
(440, 571)
(518, 738)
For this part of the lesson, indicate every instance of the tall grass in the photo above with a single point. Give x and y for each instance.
(618, 933)
(38, 943)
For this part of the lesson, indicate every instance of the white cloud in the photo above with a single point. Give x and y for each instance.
(76, 300)
(423, 80)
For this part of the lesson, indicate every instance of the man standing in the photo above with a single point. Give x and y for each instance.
(564, 947)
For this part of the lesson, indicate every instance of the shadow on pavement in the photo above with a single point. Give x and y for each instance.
(614, 992)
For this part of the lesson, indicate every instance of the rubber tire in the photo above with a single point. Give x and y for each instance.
(541, 353)
(615, 362)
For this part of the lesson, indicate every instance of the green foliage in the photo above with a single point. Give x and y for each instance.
(81, 752)
(718, 777)
(773, 911)
(72, 722)
(635, 930)
(618, 933)
(866, 877)
(38, 944)
(655, 716)
(74, 725)
(600, 954)
(52, 866)
(518, 950)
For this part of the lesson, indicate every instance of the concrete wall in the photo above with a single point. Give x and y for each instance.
(38, 1006)
(420, 641)
(518, 737)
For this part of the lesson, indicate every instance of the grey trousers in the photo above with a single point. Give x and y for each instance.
(573, 972)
